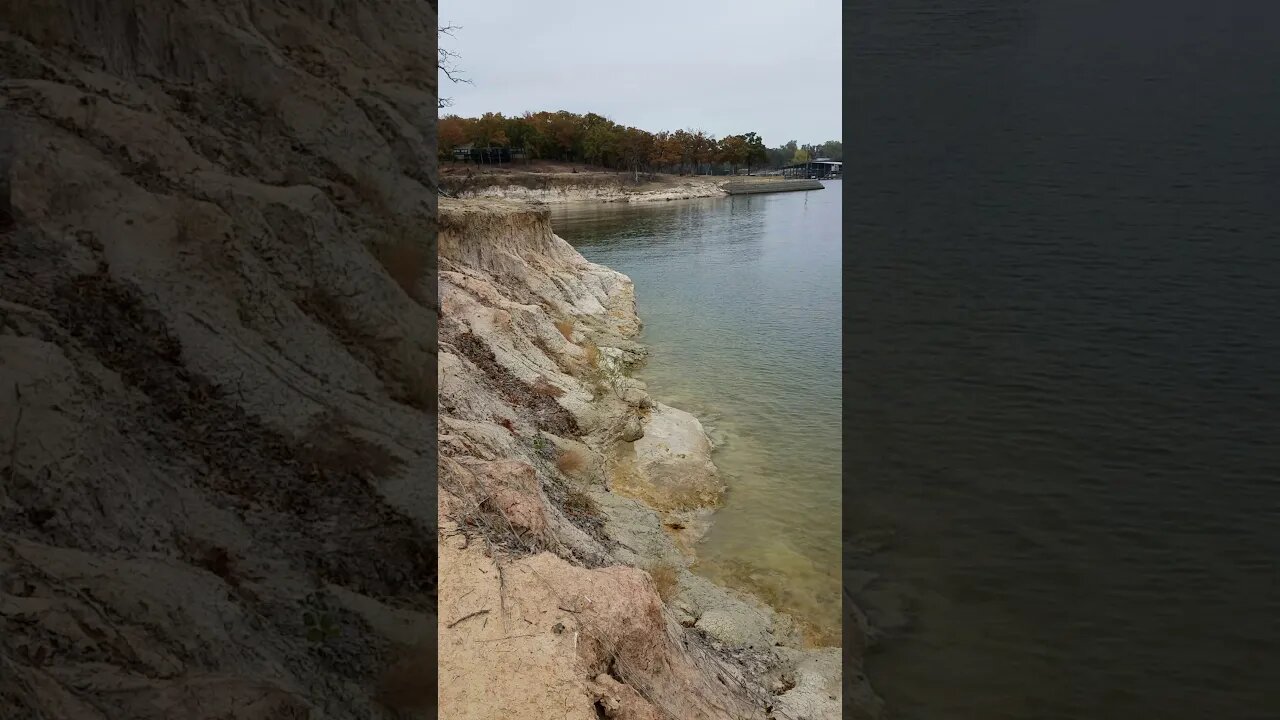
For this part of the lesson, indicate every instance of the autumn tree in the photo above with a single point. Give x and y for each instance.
(566, 134)
(451, 131)
(687, 142)
(666, 151)
(594, 138)
(490, 130)
(733, 151)
(636, 149)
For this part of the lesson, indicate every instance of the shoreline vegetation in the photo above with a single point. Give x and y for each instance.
(572, 498)
(590, 138)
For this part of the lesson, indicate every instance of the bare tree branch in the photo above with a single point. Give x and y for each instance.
(446, 63)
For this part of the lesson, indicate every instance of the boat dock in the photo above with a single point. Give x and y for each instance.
(748, 187)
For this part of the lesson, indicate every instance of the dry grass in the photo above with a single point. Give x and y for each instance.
(571, 461)
(370, 193)
(214, 558)
(544, 388)
(566, 329)
(409, 686)
(294, 176)
(580, 507)
(420, 390)
(665, 580)
(593, 354)
(596, 377)
(325, 308)
(330, 446)
(579, 504)
(186, 220)
(406, 261)
(476, 510)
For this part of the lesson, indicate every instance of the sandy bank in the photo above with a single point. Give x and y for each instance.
(567, 190)
(562, 187)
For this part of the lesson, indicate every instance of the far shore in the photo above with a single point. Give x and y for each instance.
(563, 183)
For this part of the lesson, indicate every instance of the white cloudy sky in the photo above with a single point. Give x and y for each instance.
(722, 66)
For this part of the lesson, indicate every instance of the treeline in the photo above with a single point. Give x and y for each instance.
(792, 153)
(594, 139)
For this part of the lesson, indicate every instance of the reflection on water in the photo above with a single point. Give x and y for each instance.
(741, 303)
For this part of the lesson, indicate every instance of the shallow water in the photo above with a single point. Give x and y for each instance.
(740, 298)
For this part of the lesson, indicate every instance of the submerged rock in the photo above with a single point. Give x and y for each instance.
(670, 467)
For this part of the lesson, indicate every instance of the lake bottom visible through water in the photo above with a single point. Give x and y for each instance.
(740, 299)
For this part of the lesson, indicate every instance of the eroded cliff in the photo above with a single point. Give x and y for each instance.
(216, 327)
(570, 500)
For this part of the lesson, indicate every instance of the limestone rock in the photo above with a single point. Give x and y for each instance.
(670, 467)
(816, 692)
(633, 429)
(733, 629)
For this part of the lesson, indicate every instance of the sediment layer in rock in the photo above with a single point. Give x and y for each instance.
(553, 189)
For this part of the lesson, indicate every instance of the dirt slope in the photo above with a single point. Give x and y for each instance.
(216, 365)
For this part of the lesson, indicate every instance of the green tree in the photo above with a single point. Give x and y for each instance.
(753, 150)
(801, 156)
(519, 131)
(599, 143)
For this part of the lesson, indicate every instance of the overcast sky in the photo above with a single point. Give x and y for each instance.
(722, 66)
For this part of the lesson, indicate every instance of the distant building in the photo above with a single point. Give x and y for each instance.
(817, 169)
(488, 155)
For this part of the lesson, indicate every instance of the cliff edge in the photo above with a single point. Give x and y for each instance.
(570, 500)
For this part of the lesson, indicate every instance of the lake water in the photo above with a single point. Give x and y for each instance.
(1064, 365)
(741, 303)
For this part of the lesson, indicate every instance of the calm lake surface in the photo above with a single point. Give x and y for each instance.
(741, 302)
(1064, 263)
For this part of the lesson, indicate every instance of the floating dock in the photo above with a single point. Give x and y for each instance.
(769, 186)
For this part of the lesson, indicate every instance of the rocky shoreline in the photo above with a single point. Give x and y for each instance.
(560, 188)
(217, 322)
(592, 487)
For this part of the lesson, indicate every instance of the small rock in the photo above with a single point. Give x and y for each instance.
(734, 629)
(633, 430)
(636, 397)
